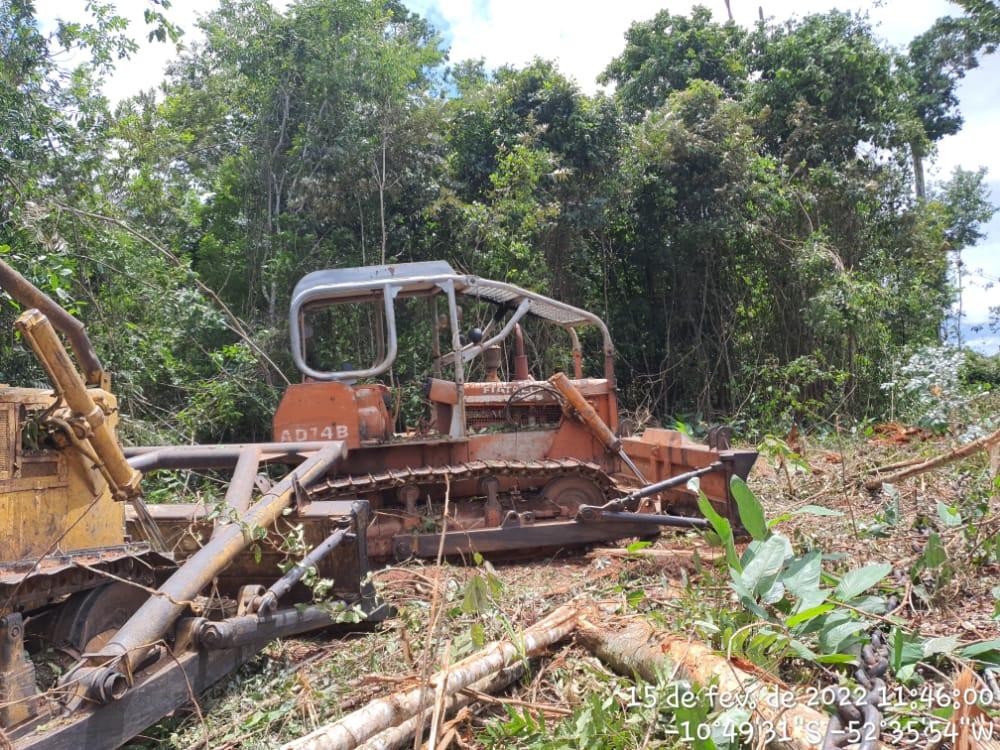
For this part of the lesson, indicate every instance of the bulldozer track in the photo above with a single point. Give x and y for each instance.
(436, 475)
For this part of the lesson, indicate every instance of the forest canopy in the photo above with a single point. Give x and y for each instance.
(746, 208)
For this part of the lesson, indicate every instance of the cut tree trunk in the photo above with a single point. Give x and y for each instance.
(962, 451)
(401, 735)
(638, 649)
(361, 725)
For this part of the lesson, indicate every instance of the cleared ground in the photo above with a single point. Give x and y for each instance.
(570, 699)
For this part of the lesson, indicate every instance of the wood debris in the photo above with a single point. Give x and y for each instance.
(639, 649)
(962, 451)
(381, 714)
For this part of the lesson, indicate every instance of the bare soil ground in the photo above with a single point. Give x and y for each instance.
(299, 684)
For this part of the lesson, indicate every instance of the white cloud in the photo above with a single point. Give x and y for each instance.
(145, 68)
(583, 35)
(982, 283)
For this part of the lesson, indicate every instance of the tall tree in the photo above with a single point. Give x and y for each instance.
(669, 52)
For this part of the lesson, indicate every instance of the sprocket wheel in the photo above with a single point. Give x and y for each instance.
(90, 618)
(570, 492)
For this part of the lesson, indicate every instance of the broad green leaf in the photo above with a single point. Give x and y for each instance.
(802, 574)
(808, 614)
(858, 581)
(874, 605)
(832, 638)
(983, 647)
(723, 529)
(747, 600)
(774, 594)
(726, 728)
(949, 516)
(750, 510)
(755, 545)
(943, 645)
(812, 599)
(934, 553)
(689, 718)
(801, 650)
(907, 649)
(764, 566)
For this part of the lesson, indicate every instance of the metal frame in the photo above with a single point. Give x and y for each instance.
(339, 286)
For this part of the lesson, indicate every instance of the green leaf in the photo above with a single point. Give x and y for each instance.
(803, 573)
(801, 650)
(808, 614)
(750, 510)
(726, 728)
(833, 637)
(639, 545)
(778, 519)
(873, 605)
(934, 553)
(943, 645)
(983, 647)
(747, 600)
(477, 595)
(907, 649)
(722, 528)
(949, 516)
(858, 581)
(689, 717)
(764, 565)
(835, 659)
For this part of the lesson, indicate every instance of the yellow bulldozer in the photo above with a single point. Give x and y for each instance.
(86, 576)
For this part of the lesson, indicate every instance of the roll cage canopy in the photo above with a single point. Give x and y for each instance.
(321, 289)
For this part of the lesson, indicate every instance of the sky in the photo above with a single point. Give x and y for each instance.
(584, 35)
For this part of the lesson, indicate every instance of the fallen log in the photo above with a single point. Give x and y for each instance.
(955, 454)
(898, 465)
(401, 735)
(775, 711)
(361, 725)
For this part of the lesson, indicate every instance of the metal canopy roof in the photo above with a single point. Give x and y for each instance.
(557, 312)
(367, 281)
(366, 284)
(385, 283)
